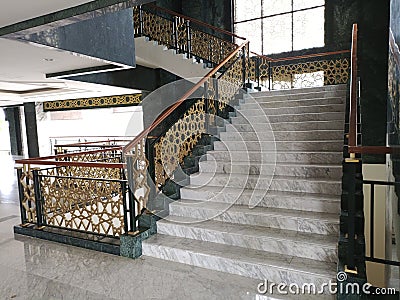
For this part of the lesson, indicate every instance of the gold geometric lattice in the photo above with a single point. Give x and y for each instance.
(209, 47)
(141, 188)
(83, 204)
(158, 28)
(98, 102)
(28, 201)
(229, 83)
(179, 141)
(311, 74)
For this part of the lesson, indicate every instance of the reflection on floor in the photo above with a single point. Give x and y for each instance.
(37, 269)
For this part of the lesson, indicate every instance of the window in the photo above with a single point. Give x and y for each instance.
(274, 26)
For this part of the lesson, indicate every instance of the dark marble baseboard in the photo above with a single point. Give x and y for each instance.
(87, 241)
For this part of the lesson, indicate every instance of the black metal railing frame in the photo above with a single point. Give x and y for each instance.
(128, 202)
(372, 257)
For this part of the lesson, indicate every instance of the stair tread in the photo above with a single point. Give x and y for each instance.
(245, 255)
(253, 231)
(256, 100)
(284, 164)
(262, 211)
(275, 177)
(281, 151)
(341, 105)
(215, 189)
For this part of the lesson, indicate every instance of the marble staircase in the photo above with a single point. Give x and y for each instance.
(266, 201)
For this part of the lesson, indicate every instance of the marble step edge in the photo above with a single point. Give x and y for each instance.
(323, 223)
(259, 100)
(329, 241)
(281, 164)
(341, 106)
(295, 201)
(302, 170)
(267, 177)
(322, 217)
(325, 88)
(236, 260)
(306, 245)
(206, 191)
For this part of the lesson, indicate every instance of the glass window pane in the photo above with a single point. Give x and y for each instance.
(308, 28)
(301, 4)
(277, 34)
(249, 9)
(271, 7)
(251, 31)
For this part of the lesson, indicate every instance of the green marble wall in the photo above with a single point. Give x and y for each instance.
(373, 22)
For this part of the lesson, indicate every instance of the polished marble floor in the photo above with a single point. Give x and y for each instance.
(37, 269)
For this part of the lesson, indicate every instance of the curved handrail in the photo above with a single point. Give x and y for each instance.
(353, 93)
(170, 12)
(164, 115)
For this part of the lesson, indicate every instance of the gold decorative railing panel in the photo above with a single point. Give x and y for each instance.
(28, 202)
(96, 102)
(88, 205)
(178, 142)
(139, 164)
(209, 47)
(311, 74)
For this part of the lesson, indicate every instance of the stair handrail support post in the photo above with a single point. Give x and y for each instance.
(38, 198)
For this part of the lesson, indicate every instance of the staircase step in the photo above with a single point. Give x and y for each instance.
(237, 260)
(327, 91)
(269, 182)
(325, 116)
(298, 136)
(258, 103)
(280, 169)
(279, 145)
(284, 126)
(287, 219)
(306, 245)
(310, 157)
(273, 199)
(291, 110)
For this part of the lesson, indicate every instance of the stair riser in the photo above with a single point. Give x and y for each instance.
(280, 170)
(249, 104)
(336, 116)
(302, 126)
(285, 157)
(316, 226)
(291, 110)
(294, 248)
(252, 270)
(260, 183)
(288, 95)
(278, 146)
(269, 135)
(303, 203)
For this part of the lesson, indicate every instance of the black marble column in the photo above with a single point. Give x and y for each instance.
(14, 124)
(31, 129)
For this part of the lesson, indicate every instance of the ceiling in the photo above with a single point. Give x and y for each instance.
(23, 66)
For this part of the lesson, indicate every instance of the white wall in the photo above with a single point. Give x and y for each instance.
(89, 122)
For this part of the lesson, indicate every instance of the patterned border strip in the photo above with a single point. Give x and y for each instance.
(98, 102)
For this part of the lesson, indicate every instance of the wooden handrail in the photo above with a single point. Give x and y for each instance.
(301, 56)
(163, 116)
(195, 21)
(48, 158)
(88, 164)
(353, 93)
